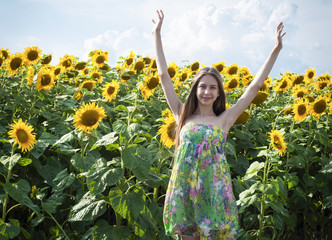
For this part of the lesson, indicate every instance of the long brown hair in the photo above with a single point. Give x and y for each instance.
(191, 103)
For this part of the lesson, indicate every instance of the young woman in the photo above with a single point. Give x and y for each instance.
(199, 201)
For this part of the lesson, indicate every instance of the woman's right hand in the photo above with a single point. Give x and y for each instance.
(159, 22)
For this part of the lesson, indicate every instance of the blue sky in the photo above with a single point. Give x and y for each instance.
(240, 32)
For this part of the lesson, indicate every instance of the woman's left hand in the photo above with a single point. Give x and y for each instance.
(279, 35)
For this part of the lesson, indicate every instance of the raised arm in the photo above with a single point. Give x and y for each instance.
(172, 99)
(244, 101)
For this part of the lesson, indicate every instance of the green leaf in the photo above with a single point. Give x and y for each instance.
(297, 161)
(133, 129)
(121, 108)
(100, 176)
(105, 140)
(119, 202)
(87, 209)
(62, 180)
(9, 230)
(83, 164)
(19, 192)
(50, 205)
(254, 168)
(291, 180)
(65, 138)
(128, 158)
(24, 162)
(103, 231)
(45, 140)
(10, 162)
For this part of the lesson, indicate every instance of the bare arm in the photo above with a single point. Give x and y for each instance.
(244, 101)
(172, 99)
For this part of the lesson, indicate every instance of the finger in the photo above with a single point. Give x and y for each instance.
(162, 13)
(153, 21)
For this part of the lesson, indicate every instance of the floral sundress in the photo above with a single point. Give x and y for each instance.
(199, 199)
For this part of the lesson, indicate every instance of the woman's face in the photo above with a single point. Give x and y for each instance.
(207, 90)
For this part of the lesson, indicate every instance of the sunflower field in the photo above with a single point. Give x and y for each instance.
(86, 148)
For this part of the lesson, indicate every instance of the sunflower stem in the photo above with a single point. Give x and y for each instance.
(63, 231)
(5, 202)
(290, 140)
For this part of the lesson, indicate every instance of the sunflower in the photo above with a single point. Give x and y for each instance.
(243, 71)
(299, 92)
(288, 111)
(298, 79)
(14, 62)
(283, 85)
(85, 71)
(147, 60)
(243, 118)
(45, 79)
(231, 69)
(260, 98)
(129, 60)
(99, 58)
(219, 66)
(68, 62)
(111, 90)
(277, 142)
(153, 65)
(2, 59)
(325, 76)
(194, 66)
(309, 75)
(266, 84)
(151, 83)
(167, 131)
(247, 80)
(166, 113)
(80, 66)
(21, 132)
(300, 109)
(232, 83)
(330, 108)
(5, 52)
(138, 66)
(88, 85)
(321, 84)
(88, 117)
(32, 54)
(46, 59)
(106, 67)
(172, 69)
(96, 75)
(318, 107)
(31, 74)
(182, 76)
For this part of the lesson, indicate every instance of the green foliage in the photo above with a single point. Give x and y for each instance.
(110, 183)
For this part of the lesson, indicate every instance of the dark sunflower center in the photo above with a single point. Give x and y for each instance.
(125, 77)
(154, 64)
(45, 80)
(110, 90)
(32, 55)
(299, 80)
(80, 65)
(67, 63)
(195, 66)
(301, 110)
(284, 84)
(47, 59)
(129, 61)
(147, 60)
(232, 70)
(320, 106)
(100, 59)
(90, 118)
(184, 76)
(300, 94)
(310, 75)
(322, 85)
(219, 67)
(96, 75)
(88, 86)
(171, 130)
(139, 66)
(171, 72)
(1, 62)
(5, 54)
(57, 71)
(15, 63)
(233, 83)
(22, 135)
(153, 83)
